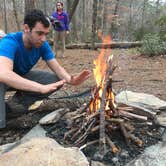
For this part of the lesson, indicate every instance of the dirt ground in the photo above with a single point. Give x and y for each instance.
(134, 72)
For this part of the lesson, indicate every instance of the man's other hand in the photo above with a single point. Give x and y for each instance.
(52, 87)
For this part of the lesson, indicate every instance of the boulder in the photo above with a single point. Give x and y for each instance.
(43, 151)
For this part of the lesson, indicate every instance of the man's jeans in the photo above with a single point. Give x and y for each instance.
(43, 77)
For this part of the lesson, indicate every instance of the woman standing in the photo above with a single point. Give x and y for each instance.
(61, 29)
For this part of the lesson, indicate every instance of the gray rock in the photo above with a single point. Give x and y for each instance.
(7, 147)
(35, 132)
(153, 156)
(96, 163)
(52, 117)
(146, 102)
(141, 99)
(43, 151)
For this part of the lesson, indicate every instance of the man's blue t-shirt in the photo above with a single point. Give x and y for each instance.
(12, 46)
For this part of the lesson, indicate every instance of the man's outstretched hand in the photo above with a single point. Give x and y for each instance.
(75, 80)
(80, 78)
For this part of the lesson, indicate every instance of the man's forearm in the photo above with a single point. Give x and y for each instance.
(59, 70)
(14, 80)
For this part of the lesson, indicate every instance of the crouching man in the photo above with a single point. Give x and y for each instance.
(19, 52)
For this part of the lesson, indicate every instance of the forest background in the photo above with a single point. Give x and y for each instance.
(128, 20)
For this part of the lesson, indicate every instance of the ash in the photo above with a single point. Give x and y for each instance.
(150, 135)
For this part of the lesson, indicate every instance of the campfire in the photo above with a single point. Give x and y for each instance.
(102, 116)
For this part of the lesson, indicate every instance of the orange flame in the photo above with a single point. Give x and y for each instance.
(100, 71)
(100, 62)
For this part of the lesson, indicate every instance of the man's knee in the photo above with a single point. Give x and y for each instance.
(43, 77)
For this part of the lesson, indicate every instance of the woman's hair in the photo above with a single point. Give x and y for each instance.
(60, 3)
(33, 16)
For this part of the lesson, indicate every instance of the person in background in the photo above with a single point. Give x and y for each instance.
(2, 34)
(61, 30)
(19, 52)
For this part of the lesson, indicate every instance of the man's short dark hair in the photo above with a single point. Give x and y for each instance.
(33, 16)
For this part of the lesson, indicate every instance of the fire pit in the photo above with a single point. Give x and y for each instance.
(103, 126)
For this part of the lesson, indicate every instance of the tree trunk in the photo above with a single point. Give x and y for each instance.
(100, 15)
(72, 9)
(130, 19)
(143, 16)
(105, 16)
(113, 29)
(29, 4)
(5, 17)
(83, 36)
(45, 7)
(72, 19)
(16, 15)
(74, 29)
(94, 19)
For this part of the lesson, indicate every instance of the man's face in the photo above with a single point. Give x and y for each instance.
(37, 35)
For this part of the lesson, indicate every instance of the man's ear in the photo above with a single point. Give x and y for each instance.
(26, 28)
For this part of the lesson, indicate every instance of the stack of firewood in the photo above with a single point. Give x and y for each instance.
(105, 119)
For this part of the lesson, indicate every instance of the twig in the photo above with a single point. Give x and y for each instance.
(115, 120)
(83, 127)
(128, 136)
(92, 115)
(88, 144)
(83, 137)
(111, 144)
(78, 116)
(69, 133)
(131, 115)
(94, 129)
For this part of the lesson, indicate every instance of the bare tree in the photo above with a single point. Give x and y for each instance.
(143, 15)
(72, 9)
(157, 8)
(29, 4)
(5, 17)
(16, 15)
(100, 14)
(94, 19)
(130, 19)
(45, 7)
(114, 19)
(83, 20)
(105, 16)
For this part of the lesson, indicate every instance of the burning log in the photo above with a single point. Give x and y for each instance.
(107, 83)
